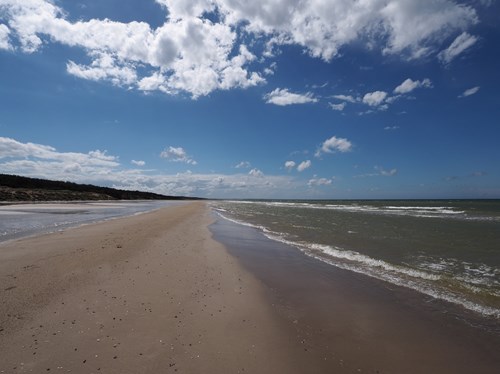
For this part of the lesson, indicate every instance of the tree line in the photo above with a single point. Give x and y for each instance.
(17, 187)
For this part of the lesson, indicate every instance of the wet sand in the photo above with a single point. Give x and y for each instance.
(155, 293)
(361, 324)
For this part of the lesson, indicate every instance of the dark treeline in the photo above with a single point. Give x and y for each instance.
(17, 188)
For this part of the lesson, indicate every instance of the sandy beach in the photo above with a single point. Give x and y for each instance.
(155, 293)
(145, 294)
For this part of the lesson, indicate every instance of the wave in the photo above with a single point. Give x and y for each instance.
(424, 289)
(424, 211)
(425, 282)
(418, 211)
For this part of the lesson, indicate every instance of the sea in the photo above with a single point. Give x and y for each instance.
(446, 249)
(22, 220)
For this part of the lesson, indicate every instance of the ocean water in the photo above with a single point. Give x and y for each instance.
(448, 250)
(21, 220)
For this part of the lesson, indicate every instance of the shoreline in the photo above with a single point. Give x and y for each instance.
(175, 290)
(382, 326)
(348, 256)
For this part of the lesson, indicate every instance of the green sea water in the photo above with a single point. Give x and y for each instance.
(447, 249)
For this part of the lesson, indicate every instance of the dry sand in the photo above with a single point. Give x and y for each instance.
(146, 294)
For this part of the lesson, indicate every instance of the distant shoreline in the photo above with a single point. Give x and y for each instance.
(19, 188)
(25, 219)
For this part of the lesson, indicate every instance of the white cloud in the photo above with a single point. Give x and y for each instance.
(389, 128)
(304, 165)
(319, 182)
(289, 165)
(211, 185)
(415, 24)
(409, 85)
(256, 173)
(177, 154)
(387, 173)
(323, 27)
(43, 161)
(284, 97)
(334, 144)
(347, 98)
(138, 162)
(193, 52)
(375, 98)
(268, 71)
(470, 91)
(100, 155)
(243, 164)
(340, 107)
(100, 168)
(104, 67)
(379, 172)
(10, 148)
(4, 37)
(381, 99)
(187, 54)
(461, 43)
(322, 85)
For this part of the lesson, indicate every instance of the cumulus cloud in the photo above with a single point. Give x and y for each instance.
(333, 145)
(243, 165)
(104, 67)
(375, 98)
(187, 54)
(470, 91)
(256, 173)
(99, 167)
(409, 85)
(177, 154)
(461, 43)
(197, 53)
(322, 28)
(10, 148)
(304, 165)
(379, 99)
(138, 162)
(289, 165)
(339, 107)
(283, 97)
(45, 161)
(4, 37)
(319, 182)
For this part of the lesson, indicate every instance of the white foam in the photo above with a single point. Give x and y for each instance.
(418, 280)
(422, 288)
(241, 222)
(220, 210)
(371, 262)
(417, 211)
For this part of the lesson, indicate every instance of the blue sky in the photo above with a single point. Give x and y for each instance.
(270, 99)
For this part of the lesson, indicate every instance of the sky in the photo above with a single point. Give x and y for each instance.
(318, 99)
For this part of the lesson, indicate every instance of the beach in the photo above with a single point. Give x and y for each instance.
(180, 290)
